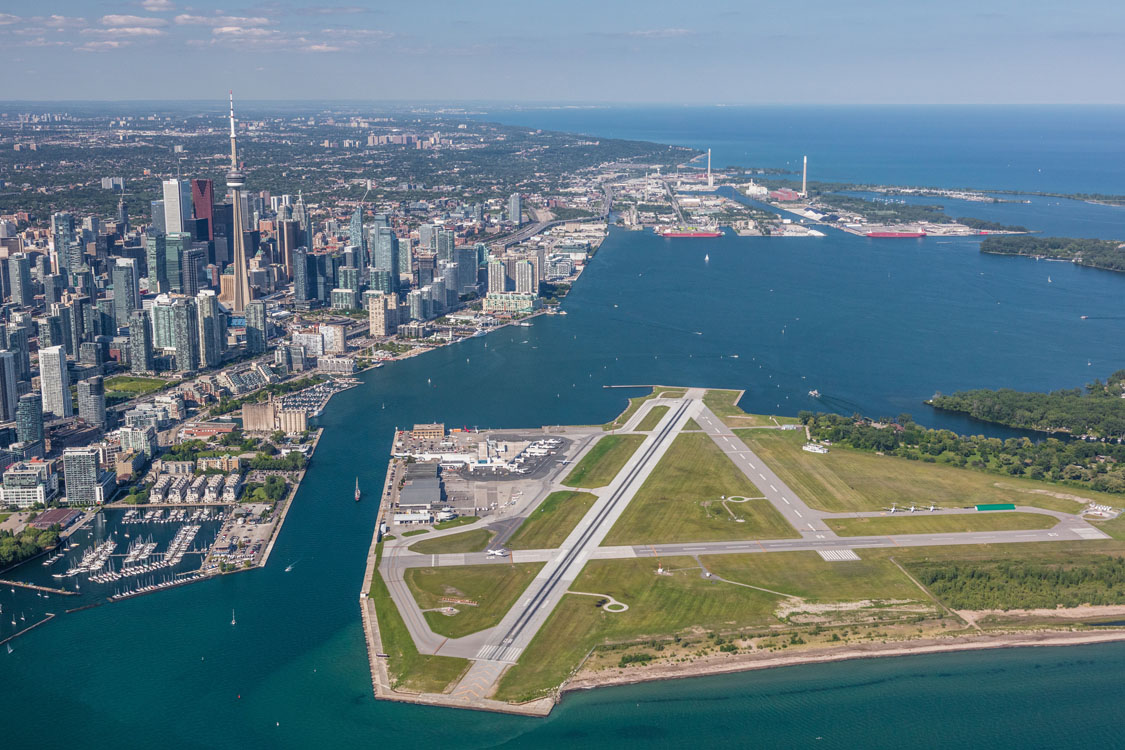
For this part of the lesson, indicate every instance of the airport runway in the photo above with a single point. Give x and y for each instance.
(493, 649)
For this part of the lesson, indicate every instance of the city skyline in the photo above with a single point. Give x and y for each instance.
(809, 52)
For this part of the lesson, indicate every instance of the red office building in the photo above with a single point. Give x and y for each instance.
(203, 203)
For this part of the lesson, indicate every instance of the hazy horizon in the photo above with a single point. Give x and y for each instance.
(801, 53)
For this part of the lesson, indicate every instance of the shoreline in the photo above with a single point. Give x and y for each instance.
(735, 663)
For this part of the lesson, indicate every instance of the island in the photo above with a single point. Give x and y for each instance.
(1105, 254)
(1096, 412)
(688, 537)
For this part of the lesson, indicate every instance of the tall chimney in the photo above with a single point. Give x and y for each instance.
(805, 179)
(710, 182)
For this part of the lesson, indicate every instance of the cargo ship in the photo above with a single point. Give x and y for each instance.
(883, 235)
(689, 232)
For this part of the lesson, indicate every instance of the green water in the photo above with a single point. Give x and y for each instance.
(876, 327)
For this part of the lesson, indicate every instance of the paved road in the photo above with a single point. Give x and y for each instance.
(799, 515)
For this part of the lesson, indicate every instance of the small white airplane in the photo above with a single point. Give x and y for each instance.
(933, 507)
(893, 509)
(498, 552)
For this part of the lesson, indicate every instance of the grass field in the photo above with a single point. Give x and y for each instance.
(494, 588)
(655, 414)
(125, 387)
(849, 480)
(635, 403)
(455, 522)
(416, 532)
(408, 669)
(1115, 528)
(680, 500)
(658, 605)
(929, 524)
(725, 406)
(467, 541)
(663, 606)
(806, 575)
(548, 525)
(600, 465)
(691, 425)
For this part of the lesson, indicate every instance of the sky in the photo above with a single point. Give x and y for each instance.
(587, 51)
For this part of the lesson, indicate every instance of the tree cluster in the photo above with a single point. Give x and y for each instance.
(1097, 466)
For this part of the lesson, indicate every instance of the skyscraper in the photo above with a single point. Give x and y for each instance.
(86, 484)
(177, 204)
(185, 334)
(141, 358)
(212, 328)
(175, 245)
(358, 238)
(256, 333)
(158, 226)
(29, 418)
(126, 288)
(9, 396)
(155, 249)
(302, 284)
(19, 273)
(497, 276)
(54, 381)
(203, 204)
(446, 241)
(191, 268)
(235, 181)
(91, 400)
(288, 230)
(515, 209)
(526, 283)
(18, 343)
(50, 331)
(466, 258)
(386, 253)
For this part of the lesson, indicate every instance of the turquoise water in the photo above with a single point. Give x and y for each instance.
(875, 326)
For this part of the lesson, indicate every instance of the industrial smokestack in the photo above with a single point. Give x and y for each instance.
(805, 179)
(710, 183)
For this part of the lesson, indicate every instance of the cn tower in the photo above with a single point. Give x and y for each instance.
(235, 181)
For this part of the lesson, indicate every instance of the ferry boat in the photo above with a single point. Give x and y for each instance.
(357, 489)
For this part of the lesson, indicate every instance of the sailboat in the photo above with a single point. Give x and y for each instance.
(357, 489)
(232, 620)
(9, 648)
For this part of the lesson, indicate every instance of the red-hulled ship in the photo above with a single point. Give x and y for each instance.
(884, 235)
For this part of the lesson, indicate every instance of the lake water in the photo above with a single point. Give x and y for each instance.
(876, 326)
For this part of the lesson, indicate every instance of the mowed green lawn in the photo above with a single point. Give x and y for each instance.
(493, 587)
(680, 500)
(724, 404)
(924, 523)
(635, 403)
(549, 525)
(409, 669)
(658, 606)
(848, 480)
(467, 541)
(602, 462)
(807, 575)
(652, 418)
(663, 606)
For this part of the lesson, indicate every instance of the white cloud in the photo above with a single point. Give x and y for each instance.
(8, 18)
(133, 21)
(124, 31)
(185, 19)
(60, 22)
(105, 46)
(320, 48)
(660, 33)
(158, 5)
(243, 31)
(341, 10)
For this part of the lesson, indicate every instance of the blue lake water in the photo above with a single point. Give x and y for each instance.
(876, 326)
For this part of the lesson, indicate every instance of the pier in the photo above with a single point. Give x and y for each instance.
(37, 587)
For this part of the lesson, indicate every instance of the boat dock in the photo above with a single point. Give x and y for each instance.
(37, 587)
